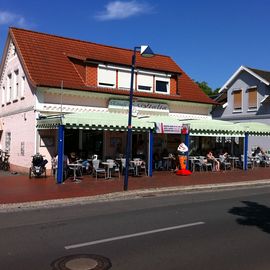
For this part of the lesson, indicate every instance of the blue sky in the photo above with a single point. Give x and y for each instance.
(208, 39)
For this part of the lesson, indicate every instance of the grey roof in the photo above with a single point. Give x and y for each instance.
(262, 73)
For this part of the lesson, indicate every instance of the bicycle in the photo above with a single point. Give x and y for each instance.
(4, 160)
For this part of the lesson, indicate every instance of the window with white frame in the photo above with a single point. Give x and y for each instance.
(162, 85)
(3, 95)
(145, 82)
(9, 87)
(106, 77)
(22, 86)
(7, 141)
(124, 79)
(252, 98)
(16, 85)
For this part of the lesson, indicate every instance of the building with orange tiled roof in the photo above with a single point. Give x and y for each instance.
(44, 75)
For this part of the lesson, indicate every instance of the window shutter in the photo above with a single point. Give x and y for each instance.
(106, 77)
(145, 80)
(237, 99)
(252, 98)
(124, 79)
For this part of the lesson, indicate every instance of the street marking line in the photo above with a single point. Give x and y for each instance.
(133, 235)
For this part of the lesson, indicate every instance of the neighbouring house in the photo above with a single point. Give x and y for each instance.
(43, 76)
(245, 97)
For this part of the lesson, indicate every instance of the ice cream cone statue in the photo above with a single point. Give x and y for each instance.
(182, 149)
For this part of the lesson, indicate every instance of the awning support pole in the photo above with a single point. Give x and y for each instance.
(150, 153)
(187, 144)
(60, 154)
(245, 167)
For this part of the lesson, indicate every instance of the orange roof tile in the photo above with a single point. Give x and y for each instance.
(47, 59)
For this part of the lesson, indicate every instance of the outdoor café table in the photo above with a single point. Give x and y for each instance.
(107, 164)
(75, 166)
(233, 161)
(137, 164)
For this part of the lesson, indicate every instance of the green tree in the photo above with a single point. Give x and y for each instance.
(215, 91)
(207, 89)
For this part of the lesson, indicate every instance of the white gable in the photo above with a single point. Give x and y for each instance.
(10, 58)
(238, 71)
(12, 78)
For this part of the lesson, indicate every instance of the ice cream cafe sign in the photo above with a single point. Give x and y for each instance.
(139, 106)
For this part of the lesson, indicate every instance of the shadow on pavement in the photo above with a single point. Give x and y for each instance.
(8, 173)
(253, 214)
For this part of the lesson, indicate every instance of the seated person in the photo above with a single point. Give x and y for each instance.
(165, 162)
(223, 157)
(210, 158)
(258, 152)
(260, 155)
(85, 164)
(72, 158)
(157, 161)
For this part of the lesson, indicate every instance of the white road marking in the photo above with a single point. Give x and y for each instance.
(133, 235)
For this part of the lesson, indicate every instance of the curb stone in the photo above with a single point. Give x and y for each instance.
(133, 194)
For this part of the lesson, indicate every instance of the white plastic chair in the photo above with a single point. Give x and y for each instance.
(116, 168)
(224, 163)
(205, 164)
(130, 167)
(97, 170)
(141, 164)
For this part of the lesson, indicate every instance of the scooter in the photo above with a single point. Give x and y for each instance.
(38, 166)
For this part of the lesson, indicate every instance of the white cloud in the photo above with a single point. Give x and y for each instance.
(118, 10)
(11, 18)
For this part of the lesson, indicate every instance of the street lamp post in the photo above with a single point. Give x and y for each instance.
(145, 52)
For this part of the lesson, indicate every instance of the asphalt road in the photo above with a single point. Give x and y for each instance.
(210, 230)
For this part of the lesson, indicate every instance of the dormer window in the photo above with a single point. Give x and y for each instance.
(106, 77)
(111, 76)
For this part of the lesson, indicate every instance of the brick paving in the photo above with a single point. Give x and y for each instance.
(19, 188)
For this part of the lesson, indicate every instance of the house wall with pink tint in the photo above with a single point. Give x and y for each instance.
(17, 114)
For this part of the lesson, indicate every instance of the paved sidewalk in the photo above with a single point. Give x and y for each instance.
(21, 189)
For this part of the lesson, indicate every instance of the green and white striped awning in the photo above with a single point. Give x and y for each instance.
(255, 128)
(118, 122)
(95, 121)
